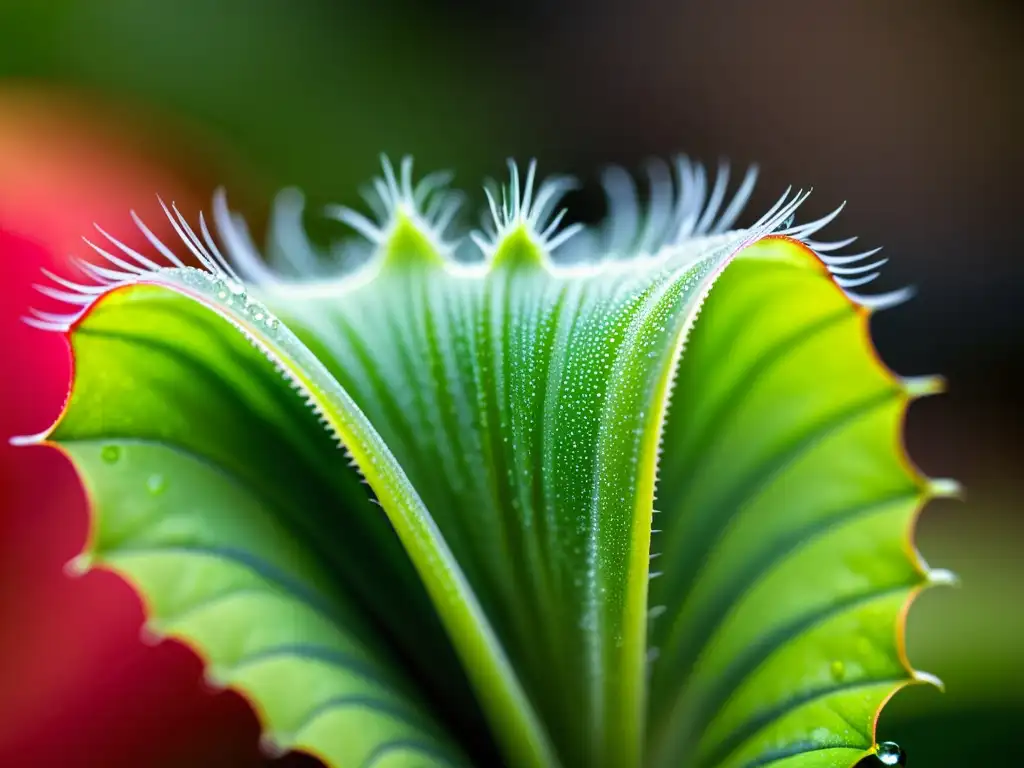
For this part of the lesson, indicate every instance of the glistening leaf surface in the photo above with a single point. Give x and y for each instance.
(524, 404)
(217, 493)
(786, 506)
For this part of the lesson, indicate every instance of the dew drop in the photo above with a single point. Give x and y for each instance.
(786, 225)
(838, 670)
(236, 289)
(271, 322)
(156, 484)
(110, 453)
(891, 753)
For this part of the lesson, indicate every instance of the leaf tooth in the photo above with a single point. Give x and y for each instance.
(714, 202)
(150, 634)
(32, 322)
(390, 181)
(125, 266)
(143, 260)
(65, 296)
(831, 261)
(944, 488)
(214, 678)
(524, 216)
(823, 246)
(856, 282)
(215, 252)
(942, 577)
(188, 237)
(109, 277)
(357, 221)
(59, 319)
(858, 270)
(929, 679)
(680, 207)
(802, 231)
(922, 386)
(239, 245)
(427, 208)
(78, 288)
(878, 302)
(837, 264)
(273, 746)
(79, 565)
(563, 236)
(738, 202)
(444, 212)
(155, 241)
(623, 203)
(432, 182)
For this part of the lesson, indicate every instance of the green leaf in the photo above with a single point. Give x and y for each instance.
(508, 416)
(524, 408)
(218, 494)
(787, 504)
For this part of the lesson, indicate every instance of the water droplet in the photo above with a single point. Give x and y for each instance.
(235, 288)
(787, 223)
(110, 453)
(156, 484)
(271, 322)
(838, 670)
(891, 753)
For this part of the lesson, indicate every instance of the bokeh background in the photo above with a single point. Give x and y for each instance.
(911, 111)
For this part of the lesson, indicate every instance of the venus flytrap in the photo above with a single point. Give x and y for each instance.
(513, 595)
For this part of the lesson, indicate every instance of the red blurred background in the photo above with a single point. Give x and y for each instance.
(78, 686)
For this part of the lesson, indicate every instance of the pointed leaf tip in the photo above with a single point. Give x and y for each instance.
(409, 245)
(923, 386)
(942, 577)
(945, 488)
(518, 249)
(20, 441)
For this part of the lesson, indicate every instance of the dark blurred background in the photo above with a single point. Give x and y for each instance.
(909, 110)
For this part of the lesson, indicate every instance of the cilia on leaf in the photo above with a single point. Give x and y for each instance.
(587, 512)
